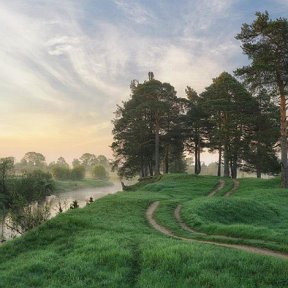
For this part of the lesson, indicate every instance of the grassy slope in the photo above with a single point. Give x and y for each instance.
(68, 185)
(258, 210)
(110, 244)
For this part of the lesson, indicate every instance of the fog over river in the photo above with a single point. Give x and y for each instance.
(65, 199)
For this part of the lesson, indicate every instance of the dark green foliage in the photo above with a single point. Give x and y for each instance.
(156, 125)
(74, 205)
(6, 173)
(262, 137)
(32, 186)
(146, 130)
(91, 200)
(196, 127)
(265, 42)
(230, 108)
(22, 197)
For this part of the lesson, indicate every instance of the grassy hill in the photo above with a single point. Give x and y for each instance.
(110, 243)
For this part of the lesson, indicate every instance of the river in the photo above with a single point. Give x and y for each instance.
(65, 199)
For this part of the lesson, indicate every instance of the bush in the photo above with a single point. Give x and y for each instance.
(99, 172)
(33, 186)
(25, 194)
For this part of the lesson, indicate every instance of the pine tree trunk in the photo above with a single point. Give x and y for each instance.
(199, 161)
(157, 155)
(226, 162)
(219, 162)
(283, 138)
(258, 165)
(150, 169)
(142, 167)
(196, 159)
(167, 159)
(234, 168)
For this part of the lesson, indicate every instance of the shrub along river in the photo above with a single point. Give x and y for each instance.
(65, 199)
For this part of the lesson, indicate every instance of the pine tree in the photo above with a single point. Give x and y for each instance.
(265, 42)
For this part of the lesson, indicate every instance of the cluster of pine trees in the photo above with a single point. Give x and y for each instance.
(154, 128)
(239, 120)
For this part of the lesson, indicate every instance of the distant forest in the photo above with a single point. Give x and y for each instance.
(87, 165)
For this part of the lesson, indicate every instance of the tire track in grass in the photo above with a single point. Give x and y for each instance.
(251, 249)
(219, 187)
(183, 225)
(233, 190)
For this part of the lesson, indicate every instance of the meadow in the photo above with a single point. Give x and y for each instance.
(110, 243)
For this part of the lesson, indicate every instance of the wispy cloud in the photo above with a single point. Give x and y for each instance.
(64, 67)
(135, 11)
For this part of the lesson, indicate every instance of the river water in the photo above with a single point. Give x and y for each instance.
(65, 199)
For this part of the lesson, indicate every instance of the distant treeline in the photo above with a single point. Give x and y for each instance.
(87, 165)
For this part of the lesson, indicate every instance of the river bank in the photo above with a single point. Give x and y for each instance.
(69, 185)
(68, 191)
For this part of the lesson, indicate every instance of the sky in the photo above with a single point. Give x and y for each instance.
(65, 65)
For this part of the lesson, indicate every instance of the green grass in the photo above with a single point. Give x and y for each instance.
(258, 210)
(110, 244)
(69, 185)
(229, 184)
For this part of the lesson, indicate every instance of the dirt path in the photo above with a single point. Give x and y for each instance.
(185, 227)
(219, 187)
(235, 187)
(150, 217)
(183, 224)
